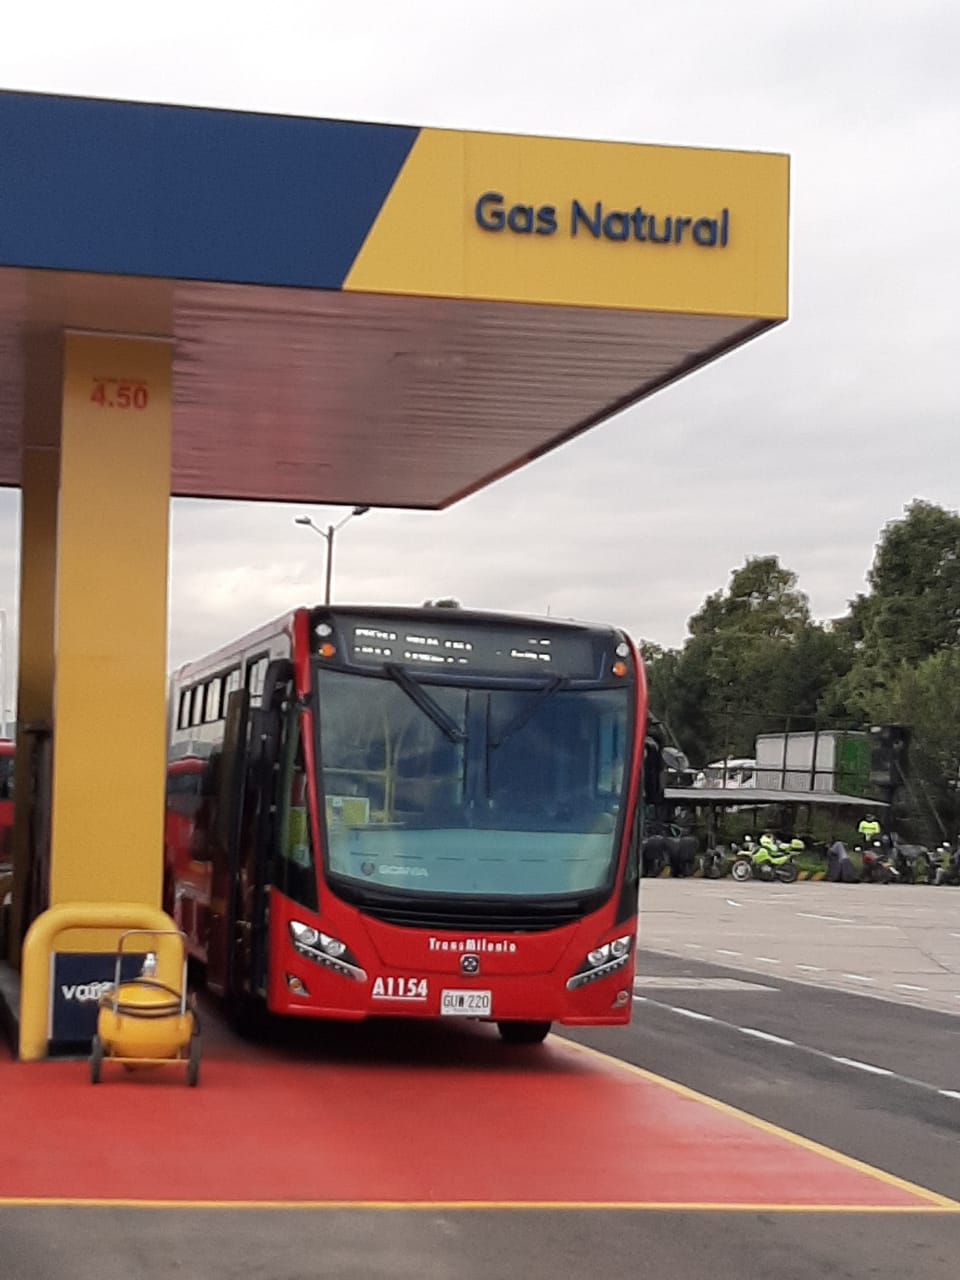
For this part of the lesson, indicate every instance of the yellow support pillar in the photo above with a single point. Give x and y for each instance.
(111, 625)
(39, 481)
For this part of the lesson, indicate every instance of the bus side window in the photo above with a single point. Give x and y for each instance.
(6, 777)
(183, 713)
(231, 683)
(211, 707)
(256, 670)
(293, 848)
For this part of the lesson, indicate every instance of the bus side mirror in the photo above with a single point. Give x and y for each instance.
(674, 760)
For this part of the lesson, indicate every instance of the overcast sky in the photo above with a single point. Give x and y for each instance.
(803, 444)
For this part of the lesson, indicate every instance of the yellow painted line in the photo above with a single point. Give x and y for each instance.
(397, 1206)
(765, 1126)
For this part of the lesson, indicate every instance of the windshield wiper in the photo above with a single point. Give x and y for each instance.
(526, 712)
(416, 693)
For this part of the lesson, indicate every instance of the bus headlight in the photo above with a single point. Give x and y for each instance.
(325, 950)
(601, 961)
(304, 933)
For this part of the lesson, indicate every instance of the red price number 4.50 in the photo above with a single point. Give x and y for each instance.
(111, 393)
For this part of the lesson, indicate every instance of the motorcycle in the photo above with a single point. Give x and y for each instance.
(913, 864)
(653, 855)
(878, 866)
(715, 862)
(681, 852)
(766, 863)
(946, 864)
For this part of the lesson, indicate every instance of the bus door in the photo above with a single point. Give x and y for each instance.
(253, 746)
(224, 844)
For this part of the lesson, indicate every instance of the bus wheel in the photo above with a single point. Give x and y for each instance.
(96, 1059)
(193, 1061)
(247, 1016)
(523, 1032)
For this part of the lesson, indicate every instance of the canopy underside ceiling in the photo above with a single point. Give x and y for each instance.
(337, 397)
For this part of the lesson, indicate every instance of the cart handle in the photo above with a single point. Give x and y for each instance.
(152, 982)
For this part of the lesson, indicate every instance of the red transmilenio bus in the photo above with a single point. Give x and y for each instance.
(422, 812)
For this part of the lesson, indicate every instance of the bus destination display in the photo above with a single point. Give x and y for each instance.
(488, 650)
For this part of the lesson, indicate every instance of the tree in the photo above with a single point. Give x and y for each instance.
(927, 697)
(661, 669)
(762, 599)
(911, 612)
(753, 658)
(811, 667)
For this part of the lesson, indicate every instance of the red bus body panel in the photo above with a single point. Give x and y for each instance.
(527, 984)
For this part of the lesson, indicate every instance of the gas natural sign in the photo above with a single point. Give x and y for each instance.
(492, 211)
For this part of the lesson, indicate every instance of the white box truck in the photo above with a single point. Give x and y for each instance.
(825, 760)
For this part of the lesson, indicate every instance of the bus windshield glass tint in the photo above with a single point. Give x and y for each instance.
(479, 791)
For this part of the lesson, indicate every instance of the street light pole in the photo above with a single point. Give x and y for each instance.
(328, 535)
(331, 530)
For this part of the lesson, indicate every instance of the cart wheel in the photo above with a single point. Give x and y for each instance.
(193, 1062)
(96, 1059)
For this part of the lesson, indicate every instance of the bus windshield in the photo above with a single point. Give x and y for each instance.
(442, 789)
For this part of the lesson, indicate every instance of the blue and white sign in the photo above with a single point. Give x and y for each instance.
(77, 981)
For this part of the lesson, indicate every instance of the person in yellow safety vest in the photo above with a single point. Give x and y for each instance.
(768, 842)
(869, 828)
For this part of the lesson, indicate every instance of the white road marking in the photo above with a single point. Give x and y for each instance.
(767, 959)
(809, 968)
(810, 915)
(854, 1063)
(731, 903)
(891, 928)
(908, 986)
(643, 982)
(766, 1035)
(695, 946)
(857, 977)
(722, 951)
(861, 1066)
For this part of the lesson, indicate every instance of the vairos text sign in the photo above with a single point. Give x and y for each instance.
(594, 220)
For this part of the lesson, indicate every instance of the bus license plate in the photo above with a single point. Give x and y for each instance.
(466, 1004)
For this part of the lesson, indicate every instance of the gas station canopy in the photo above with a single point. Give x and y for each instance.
(374, 314)
(220, 304)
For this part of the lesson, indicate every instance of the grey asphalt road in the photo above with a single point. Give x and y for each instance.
(102, 1244)
(874, 1079)
(899, 942)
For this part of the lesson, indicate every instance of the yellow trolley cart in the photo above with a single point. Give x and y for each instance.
(144, 1022)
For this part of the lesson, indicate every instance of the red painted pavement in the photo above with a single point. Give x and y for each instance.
(459, 1117)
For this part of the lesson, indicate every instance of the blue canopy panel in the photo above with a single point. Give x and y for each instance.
(124, 188)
